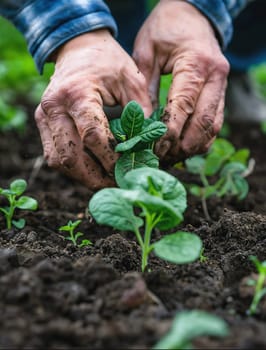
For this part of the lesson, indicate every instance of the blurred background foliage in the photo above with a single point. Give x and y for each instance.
(20, 82)
(22, 85)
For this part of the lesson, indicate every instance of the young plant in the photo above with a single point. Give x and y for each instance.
(13, 195)
(136, 137)
(160, 200)
(259, 284)
(227, 165)
(188, 325)
(73, 236)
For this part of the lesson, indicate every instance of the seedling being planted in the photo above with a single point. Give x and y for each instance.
(227, 166)
(259, 284)
(160, 200)
(16, 201)
(136, 137)
(189, 325)
(74, 236)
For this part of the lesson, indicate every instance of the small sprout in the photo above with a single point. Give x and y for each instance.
(136, 136)
(202, 257)
(73, 237)
(161, 199)
(13, 195)
(259, 284)
(227, 165)
(188, 325)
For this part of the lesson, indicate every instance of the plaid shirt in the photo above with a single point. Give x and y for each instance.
(48, 24)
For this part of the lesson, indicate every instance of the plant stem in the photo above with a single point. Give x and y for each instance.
(10, 212)
(146, 244)
(257, 295)
(205, 208)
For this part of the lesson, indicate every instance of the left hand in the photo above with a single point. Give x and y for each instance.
(176, 38)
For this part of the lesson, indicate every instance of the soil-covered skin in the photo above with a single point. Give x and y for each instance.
(53, 295)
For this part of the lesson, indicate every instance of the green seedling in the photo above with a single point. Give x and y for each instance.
(14, 196)
(136, 137)
(188, 325)
(224, 164)
(154, 199)
(74, 236)
(259, 284)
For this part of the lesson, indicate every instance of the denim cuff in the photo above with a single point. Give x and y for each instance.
(48, 24)
(220, 13)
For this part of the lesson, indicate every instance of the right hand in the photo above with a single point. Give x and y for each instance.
(91, 71)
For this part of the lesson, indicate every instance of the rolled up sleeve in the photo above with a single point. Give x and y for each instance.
(48, 24)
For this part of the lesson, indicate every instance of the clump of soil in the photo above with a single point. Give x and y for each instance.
(55, 295)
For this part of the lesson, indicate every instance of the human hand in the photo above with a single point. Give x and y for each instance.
(91, 71)
(176, 38)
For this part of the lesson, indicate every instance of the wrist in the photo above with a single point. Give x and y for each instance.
(80, 41)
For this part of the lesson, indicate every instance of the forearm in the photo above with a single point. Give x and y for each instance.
(48, 24)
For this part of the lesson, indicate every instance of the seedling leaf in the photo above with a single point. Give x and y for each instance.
(132, 119)
(18, 186)
(19, 223)
(167, 186)
(109, 207)
(188, 325)
(116, 128)
(26, 202)
(130, 161)
(179, 248)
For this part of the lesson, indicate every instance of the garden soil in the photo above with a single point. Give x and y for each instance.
(53, 295)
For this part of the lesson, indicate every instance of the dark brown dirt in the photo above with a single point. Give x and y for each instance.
(53, 295)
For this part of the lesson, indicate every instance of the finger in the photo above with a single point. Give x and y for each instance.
(207, 118)
(89, 173)
(93, 129)
(49, 151)
(150, 69)
(82, 168)
(185, 89)
(64, 136)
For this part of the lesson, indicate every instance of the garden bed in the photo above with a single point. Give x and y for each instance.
(55, 295)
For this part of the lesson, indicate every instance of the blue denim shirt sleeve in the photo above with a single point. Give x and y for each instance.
(48, 24)
(221, 14)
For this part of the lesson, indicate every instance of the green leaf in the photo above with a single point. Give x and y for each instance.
(195, 190)
(26, 202)
(129, 161)
(169, 188)
(19, 223)
(232, 182)
(195, 165)
(127, 145)
(260, 266)
(132, 119)
(116, 128)
(220, 151)
(179, 248)
(240, 156)
(188, 325)
(18, 186)
(74, 224)
(7, 193)
(153, 131)
(84, 243)
(111, 207)
(168, 215)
